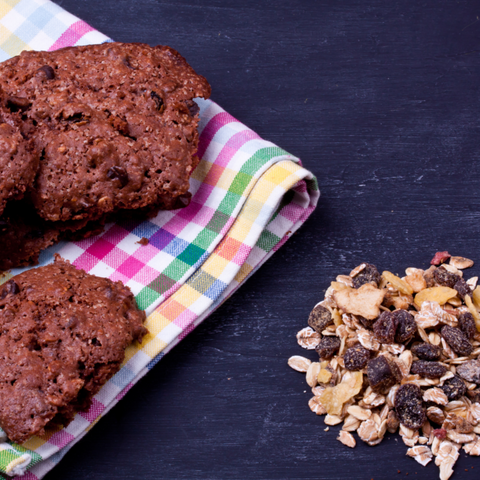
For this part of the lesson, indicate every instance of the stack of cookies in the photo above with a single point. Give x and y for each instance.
(88, 134)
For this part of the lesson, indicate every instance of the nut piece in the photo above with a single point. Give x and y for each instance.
(461, 262)
(298, 363)
(347, 439)
(365, 301)
(308, 338)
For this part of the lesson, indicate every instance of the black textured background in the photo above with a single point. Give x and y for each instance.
(380, 99)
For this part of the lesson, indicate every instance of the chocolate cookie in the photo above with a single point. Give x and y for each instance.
(18, 160)
(63, 335)
(116, 126)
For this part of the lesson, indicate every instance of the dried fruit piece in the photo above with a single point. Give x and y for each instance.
(384, 328)
(298, 363)
(461, 262)
(409, 406)
(441, 295)
(470, 371)
(324, 376)
(439, 258)
(427, 351)
(406, 326)
(428, 369)
(444, 278)
(398, 283)
(333, 398)
(369, 274)
(473, 310)
(462, 288)
(320, 317)
(382, 373)
(466, 322)
(457, 340)
(328, 347)
(365, 301)
(356, 357)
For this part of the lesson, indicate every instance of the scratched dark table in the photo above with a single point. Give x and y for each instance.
(381, 100)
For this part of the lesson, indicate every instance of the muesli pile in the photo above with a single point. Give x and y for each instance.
(399, 354)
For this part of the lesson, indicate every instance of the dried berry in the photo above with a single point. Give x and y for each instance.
(454, 388)
(409, 406)
(440, 433)
(382, 373)
(462, 288)
(427, 351)
(356, 357)
(444, 278)
(328, 347)
(10, 288)
(457, 340)
(368, 275)
(384, 328)
(320, 317)
(406, 326)
(440, 257)
(428, 369)
(466, 322)
(470, 371)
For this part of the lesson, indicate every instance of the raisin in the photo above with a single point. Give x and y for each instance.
(356, 357)
(385, 327)
(118, 173)
(320, 317)
(409, 406)
(10, 288)
(443, 277)
(406, 326)
(193, 108)
(365, 321)
(428, 369)
(382, 373)
(457, 340)
(368, 275)
(427, 351)
(470, 371)
(454, 388)
(328, 347)
(462, 288)
(466, 322)
(474, 395)
(47, 72)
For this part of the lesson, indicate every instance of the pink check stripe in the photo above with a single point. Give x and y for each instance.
(211, 128)
(72, 35)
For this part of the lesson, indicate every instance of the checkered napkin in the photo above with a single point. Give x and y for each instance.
(248, 197)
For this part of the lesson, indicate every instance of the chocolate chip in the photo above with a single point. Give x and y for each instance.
(158, 101)
(10, 288)
(47, 71)
(15, 104)
(193, 108)
(118, 173)
(183, 201)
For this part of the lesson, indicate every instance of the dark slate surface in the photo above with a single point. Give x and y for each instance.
(381, 101)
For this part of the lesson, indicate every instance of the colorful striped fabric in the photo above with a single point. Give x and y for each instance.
(248, 197)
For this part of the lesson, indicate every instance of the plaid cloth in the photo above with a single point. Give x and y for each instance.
(248, 197)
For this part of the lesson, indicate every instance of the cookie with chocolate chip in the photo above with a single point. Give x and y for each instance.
(115, 124)
(64, 334)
